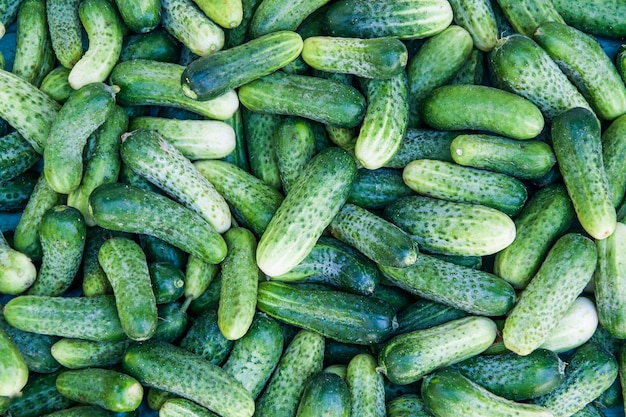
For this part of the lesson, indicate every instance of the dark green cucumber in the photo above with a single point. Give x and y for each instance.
(526, 15)
(209, 299)
(14, 193)
(32, 35)
(95, 281)
(423, 144)
(89, 318)
(16, 156)
(8, 14)
(259, 130)
(613, 151)
(65, 30)
(577, 144)
(17, 271)
(14, 371)
(165, 366)
(407, 405)
(366, 387)
(294, 144)
(168, 282)
(157, 45)
(205, 339)
(158, 250)
(209, 77)
(140, 15)
(82, 411)
(424, 314)
(276, 15)
(40, 397)
(157, 397)
(56, 86)
(173, 322)
(375, 189)
(473, 69)
(239, 156)
(324, 393)
(601, 18)
(78, 353)
(123, 207)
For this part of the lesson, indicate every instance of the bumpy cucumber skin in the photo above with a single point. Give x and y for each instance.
(452, 228)
(187, 23)
(81, 115)
(592, 72)
(164, 366)
(89, 318)
(474, 291)
(375, 189)
(126, 268)
(16, 156)
(106, 388)
(151, 156)
(259, 130)
(575, 328)
(40, 396)
(65, 30)
(239, 156)
(302, 358)
(14, 193)
(602, 18)
(157, 45)
(546, 216)
(407, 405)
(406, 19)
(198, 277)
(348, 318)
(325, 393)
(294, 144)
(275, 15)
(205, 339)
(140, 15)
(473, 69)
(447, 393)
(524, 68)
(211, 76)
(422, 144)
(366, 387)
(565, 272)
(81, 411)
(319, 99)
(181, 407)
(577, 144)
(317, 196)
(613, 153)
(14, 373)
(526, 15)
(104, 30)
(173, 322)
(55, 84)
(167, 282)
(17, 271)
(424, 314)
(476, 16)
(78, 353)
(123, 208)
(32, 35)
(452, 182)
(62, 235)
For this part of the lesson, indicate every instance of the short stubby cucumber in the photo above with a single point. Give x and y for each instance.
(55, 84)
(526, 15)
(275, 15)
(140, 15)
(376, 188)
(477, 17)
(167, 282)
(79, 354)
(13, 370)
(156, 44)
(294, 146)
(17, 271)
(226, 13)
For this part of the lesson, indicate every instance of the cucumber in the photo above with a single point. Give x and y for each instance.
(180, 407)
(294, 144)
(62, 235)
(237, 35)
(577, 144)
(16, 156)
(56, 86)
(167, 282)
(276, 15)
(473, 69)
(209, 299)
(65, 31)
(406, 19)
(157, 45)
(239, 156)
(17, 272)
(447, 393)
(40, 396)
(470, 290)
(89, 318)
(157, 250)
(211, 76)
(525, 16)
(347, 317)
(123, 208)
(593, 72)
(575, 328)
(104, 30)
(198, 277)
(407, 405)
(566, 270)
(613, 148)
(83, 112)
(492, 110)
(422, 144)
(408, 357)
(226, 13)
(375, 189)
(191, 27)
(324, 393)
(522, 67)
(8, 13)
(156, 398)
(366, 387)
(32, 35)
(14, 374)
(95, 281)
(79, 354)
(477, 17)
(15, 193)
(452, 228)
(140, 16)
(164, 366)
(452, 182)
(173, 322)
(145, 82)
(282, 246)
(600, 18)
(205, 339)
(319, 99)
(151, 156)
(302, 359)
(424, 314)
(259, 130)
(81, 411)
(126, 268)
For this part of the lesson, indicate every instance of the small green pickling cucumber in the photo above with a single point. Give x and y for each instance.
(592, 71)
(423, 144)
(477, 17)
(15, 193)
(205, 339)
(8, 13)
(17, 271)
(187, 23)
(424, 314)
(65, 30)
(375, 189)
(62, 234)
(82, 411)
(209, 299)
(198, 277)
(408, 357)
(95, 281)
(259, 131)
(158, 250)
(167, 282)
(172, 324)
(447, 393)
(566, 270)
(126, 268)
(526, 15)
(83, 112)
(181, 407)
(13, 370)
(294, 144)
(39, 397)
(16, 156)
(156, 44)
(275, 15)
(604, 18)
(31, 38)
(302, 359)
(458, 107)
(473, 69)
(239, 155)
(140, 16)
(151, 156)
(366, 387)
(104, 30)
(407, 405)
(55, 84)
(79, 354)
(614, 151)
(575, 328)
(171, 368)
(577, 144)
(325, 393)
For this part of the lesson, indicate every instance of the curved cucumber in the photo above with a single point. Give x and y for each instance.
(65, 30)
(294, 144)
(140, 15)
(14, 372)
(325, 393)
(32, 36)
(366, 387)
(187, 23)
(17, 271)
(477, 17)
(78, 353)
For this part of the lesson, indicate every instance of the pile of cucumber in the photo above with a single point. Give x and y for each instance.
(306, 208)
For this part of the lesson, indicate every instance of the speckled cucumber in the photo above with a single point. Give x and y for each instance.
(209, 77)
(424, 314)
(575, 328)
(319, 99)
(447, 393)
(82, 411)
(452, 228)
(604, 19)
(198, 277)
(563, 275)
(40, 396)
(526, 15)
(151, 156)
(592, 71)
(473, 69)
(406, 19)
(294, 144)
(123, 208)
(436, 348)
(452, 182)
(547, 215)
(32, 35)
(173, 322)
(79, 354)
(165, 366)
(16, 156)
(470, 290)
(375, 189)
(181, 407)
(8, 13)
(423, 144)
(259, 130)
(275, 15)
(205, 339)
(145, 82)
(325, 393)
(62, 235)
(239, 156)
(17, 271)
(126, 268)
(187, 23)
(157, 45)
(302, 358)
(168, 282)
(366, 387)
(14, 374)
(140, 15)
(56, 86)
(80, 116)
(577, 144)
(14, 193)
(614, 151)
(104, 30)
(477, 17)
(65, 30)
(522, 67)
(89, 318)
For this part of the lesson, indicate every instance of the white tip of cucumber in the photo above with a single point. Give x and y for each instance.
(188, 91)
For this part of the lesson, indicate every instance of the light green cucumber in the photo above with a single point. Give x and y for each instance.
(16, 156)
(83, 112)
(62, 236)
(375, 189)
(140, 15)
(226, 13)
(575, 328)
(198, 277)
(601, 18)
(56, 86)
(181, 407)
(17, 271)
(452, 182)
(408, 357)
(151, 156)
(577, 144)
(65, 31)
(104, 30)
(324, 393)
(48, 62)
(79, 354)
(14, 374)
(452, 228)
(294, 144)
(95, 281)
(157, 45)
(238, 35)
(477, 17)
(423, 144)
(31, 38)
(275, 15)
(613, 151)
(204, 338)
(366, 387)
(526, 15)
(187, 23)
(563, 275)
(167, 282)
(259, 130)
